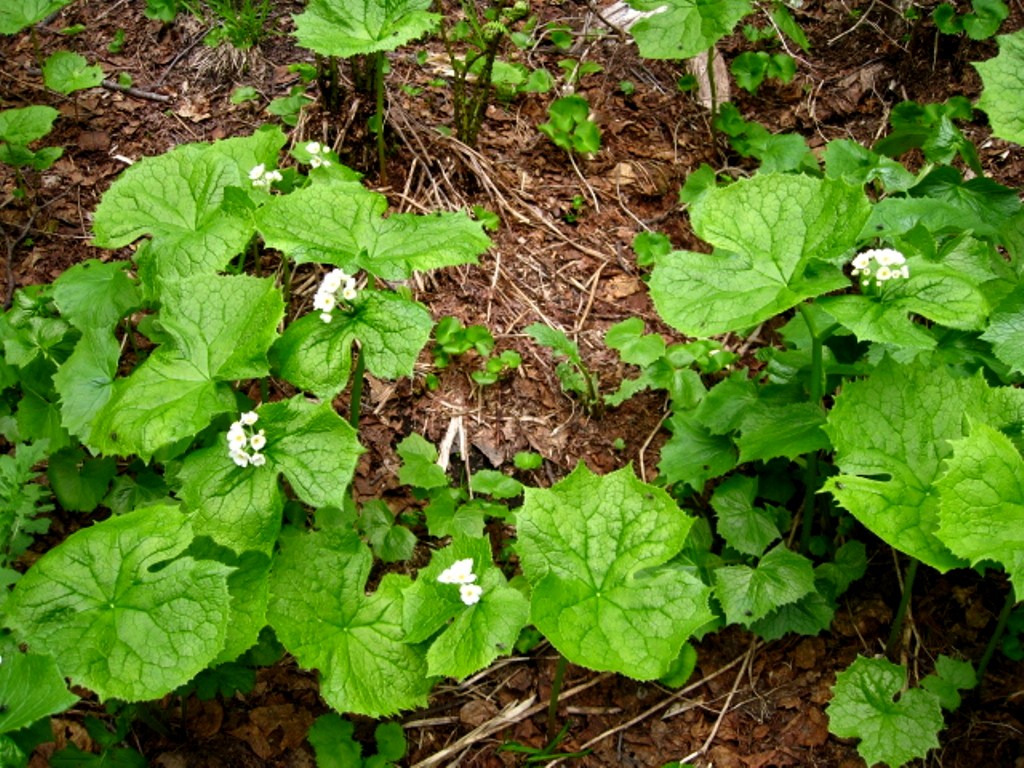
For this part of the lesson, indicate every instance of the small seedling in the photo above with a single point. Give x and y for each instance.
(573, 373)
(751, 68)
(570, 127)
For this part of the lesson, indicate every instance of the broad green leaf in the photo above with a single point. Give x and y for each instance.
(419, 463)
(447, 516)
(595, 548)
(67, 72)
(240, 507)
(1003, 80)
(79, 482)
(810, 615)
(94, 294)
(693, 455)
(492, 483)
(1006, 330)
(342, 223)
(16, 15)
(347, 28)
(85, 380)
(891, 432)
(684, 28)
(249, 590)
(856, 164)
(323, 616)
(749, 594)
(789, 430)
(181, 198)
(779, 239)
(634, 346)
(391, 332)
(220, 329)
(981, 501)
(31, 687)
(891, 730)
(745, 528)
(390, 542)
(473, 635)
(726, 404)
(25, 125)
(117, 624)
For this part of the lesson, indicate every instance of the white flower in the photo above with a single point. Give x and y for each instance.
(241, 435)
(236, 439)
(325, 301)
(257, 172)
(886, 258)
(313, 147)
(332, 281)
(326, 297)
(326, 317)
(470, 593)
(249, 418)
(241, 458)
(257, 441)
(348, 293)
(460, 572)
(258, 459)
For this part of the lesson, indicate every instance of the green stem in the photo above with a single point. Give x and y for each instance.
(901, 613)
(714, 94)
(816, 390)
(356, 402)
(556, 690)
(378, 66)
(997, 634)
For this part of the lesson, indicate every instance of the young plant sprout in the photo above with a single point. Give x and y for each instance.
(241, 436)
(335, 283)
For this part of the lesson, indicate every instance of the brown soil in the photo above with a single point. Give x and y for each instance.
(752, 705)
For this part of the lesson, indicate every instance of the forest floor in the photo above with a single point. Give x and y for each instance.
(562, 256)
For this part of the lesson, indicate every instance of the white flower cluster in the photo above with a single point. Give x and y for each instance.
(326, 299)
(242, 436)
(318, 155)
(891, 265)
(461, 573)
(261, 178)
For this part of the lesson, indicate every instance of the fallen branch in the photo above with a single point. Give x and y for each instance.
(110, 85)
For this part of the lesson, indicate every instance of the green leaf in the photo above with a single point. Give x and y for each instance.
(79, 483)
(745, 528)
(94, 294)
(15, 16)
(67, 72)
(595, 550)
(390, 542)
(1003, 78)
(891, 731)
(693, 455)
(811, 615)
(219, 330)
(390, 329)
(85, 380)
(25, 125)
(343, 28)
(1006, 330)
(240, 507)
(181, 198)
(891, 432)
(988, 16)
(555, 340)
(322, 615)
(789, 430)
(116, 624)
(856, 164)
(981, 501)
(686, 27)
(341, 223)
(391, 743)
(950, 677)
(473, 635)
(31, 687)
(419, 463)
(332, 741)
(634, 346)
(779, 239)
(447, 516)
(748, 594)
(490, 482)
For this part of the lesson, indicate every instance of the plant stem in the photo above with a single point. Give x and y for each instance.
(378, 66)
(712, 86)
(901, 611)
(356, 401)
(816, 390)
(556, 690)
(997, 634)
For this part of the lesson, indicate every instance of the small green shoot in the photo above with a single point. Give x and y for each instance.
(982, 23)
(751, 68)
(570, 127)
(573, 374)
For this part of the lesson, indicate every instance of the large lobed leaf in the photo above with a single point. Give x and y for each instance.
(779, 239)
(16, 15)
(219, 330)
(116, 622)
(1003, 80)
(681, 29)
(342, 223)
(347, 28)
(892, 433)
(595, 550)
(323, 616)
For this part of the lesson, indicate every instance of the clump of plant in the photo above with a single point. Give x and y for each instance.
(572, 372)
(452, 338)
(570, 126)
(983, 21)
(20, 128)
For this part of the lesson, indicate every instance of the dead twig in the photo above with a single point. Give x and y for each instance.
(110, 85)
